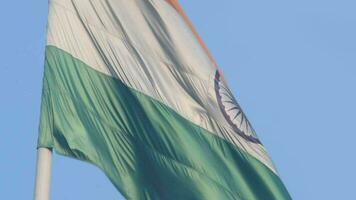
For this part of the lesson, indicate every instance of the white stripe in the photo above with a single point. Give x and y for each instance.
(148, 46)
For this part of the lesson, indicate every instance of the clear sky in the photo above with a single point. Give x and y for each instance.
(291, 65)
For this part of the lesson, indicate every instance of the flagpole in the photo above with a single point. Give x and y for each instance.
(43, 174)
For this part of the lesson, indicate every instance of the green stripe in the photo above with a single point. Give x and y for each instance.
(146, 149)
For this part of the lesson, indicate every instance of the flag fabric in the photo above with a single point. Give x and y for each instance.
(130, 87)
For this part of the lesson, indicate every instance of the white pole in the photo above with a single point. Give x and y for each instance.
(43, 174)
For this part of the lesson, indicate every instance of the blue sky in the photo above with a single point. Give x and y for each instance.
(291, 65)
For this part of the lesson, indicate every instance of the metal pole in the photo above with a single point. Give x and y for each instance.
(43, 174)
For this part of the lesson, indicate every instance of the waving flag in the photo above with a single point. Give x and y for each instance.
(130, 87)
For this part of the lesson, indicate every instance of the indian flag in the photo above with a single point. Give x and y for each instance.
(130, 87)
